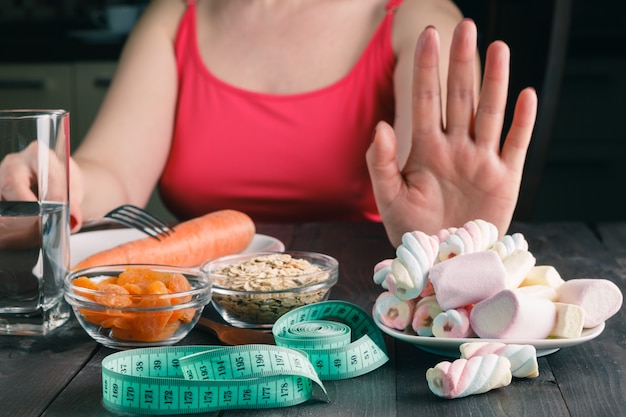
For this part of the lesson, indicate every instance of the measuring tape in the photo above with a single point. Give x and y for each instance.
(197, 379)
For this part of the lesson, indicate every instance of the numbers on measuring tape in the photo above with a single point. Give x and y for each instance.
(195, 379)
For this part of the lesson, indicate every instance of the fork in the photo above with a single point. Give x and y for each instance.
(140, 219)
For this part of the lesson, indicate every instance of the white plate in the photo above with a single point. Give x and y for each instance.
(450, 346)
(88, 243)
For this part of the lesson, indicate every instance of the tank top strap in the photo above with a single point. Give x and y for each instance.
(392, 5)
(190, 2)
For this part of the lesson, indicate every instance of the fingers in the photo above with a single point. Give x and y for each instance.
(426, 84)
(382, 163)
(16, 179)
(518, 138)
(461, 79)
(493, 96)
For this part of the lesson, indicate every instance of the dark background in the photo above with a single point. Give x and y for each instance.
(584, 173)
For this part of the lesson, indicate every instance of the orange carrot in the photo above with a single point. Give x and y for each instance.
(193, 242)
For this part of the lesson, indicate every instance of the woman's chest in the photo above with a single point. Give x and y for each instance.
(302, 52)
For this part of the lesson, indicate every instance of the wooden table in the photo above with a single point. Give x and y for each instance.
(59, 375)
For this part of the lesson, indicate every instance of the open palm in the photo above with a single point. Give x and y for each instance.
(456, 170)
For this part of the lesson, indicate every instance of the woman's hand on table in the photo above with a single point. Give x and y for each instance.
(456, 170)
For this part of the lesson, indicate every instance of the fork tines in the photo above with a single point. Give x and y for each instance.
(140, 219)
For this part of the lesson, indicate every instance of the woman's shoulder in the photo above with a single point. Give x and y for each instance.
(165, 14)
(414, 15)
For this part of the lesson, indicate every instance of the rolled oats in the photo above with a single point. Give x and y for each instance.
(268, 273)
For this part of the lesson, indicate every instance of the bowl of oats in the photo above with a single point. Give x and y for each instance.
(253, 290)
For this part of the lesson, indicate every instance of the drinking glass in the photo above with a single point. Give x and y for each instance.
(34, 229)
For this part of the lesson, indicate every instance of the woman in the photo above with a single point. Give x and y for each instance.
(268, 107)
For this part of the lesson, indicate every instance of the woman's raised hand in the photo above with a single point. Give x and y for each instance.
(456, 170)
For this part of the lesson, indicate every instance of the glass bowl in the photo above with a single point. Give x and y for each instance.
(253, 290)
(131, 306)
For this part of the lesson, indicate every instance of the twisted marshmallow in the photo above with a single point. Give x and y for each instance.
(465, 377)
(426, 309)
(452, 323)
(381, 270)
(523, 358)
(510, 243)
(443, 234)
(392, 311)
(474, 236)
(409, 270)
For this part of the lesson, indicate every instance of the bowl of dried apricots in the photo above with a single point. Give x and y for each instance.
(130, 306)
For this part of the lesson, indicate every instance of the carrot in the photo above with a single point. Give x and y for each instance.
(193, 242)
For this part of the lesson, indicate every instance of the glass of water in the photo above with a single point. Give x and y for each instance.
(34, 225)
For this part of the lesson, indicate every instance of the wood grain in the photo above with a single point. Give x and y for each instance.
(60, 376)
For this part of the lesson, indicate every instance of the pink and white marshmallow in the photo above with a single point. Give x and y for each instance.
(523, 358)
(392, 311)
(465, 377)
(474, 236)
(452, 323)
(381, 270)
(467, 279)
(510, 243)
(511, 314)
(409, 270)
(443, 234)
(600, 298)
(401, 283)
(426, 310)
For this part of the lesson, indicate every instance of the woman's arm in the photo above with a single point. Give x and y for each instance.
(124, 152)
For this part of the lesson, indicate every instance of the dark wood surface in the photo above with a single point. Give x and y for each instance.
(60, 375)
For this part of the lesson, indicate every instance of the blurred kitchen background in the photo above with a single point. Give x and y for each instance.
(59, 54)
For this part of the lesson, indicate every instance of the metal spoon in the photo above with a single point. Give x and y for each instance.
(235, 335)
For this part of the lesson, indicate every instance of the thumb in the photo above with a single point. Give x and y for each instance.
(382, 163)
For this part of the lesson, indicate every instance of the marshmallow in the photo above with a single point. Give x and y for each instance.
(600, 298)
(381, 270)
(452, 323)
(408, 272)
(443, 234)
(543, 275)
(523, 358)
(400, 282)
(511, 314)
(467, 279)
(428, 290)
(393, 312)
(465, 377)
(510, 243)
(569, 321)
(518, 265)
(422, 246)
(474, 236)
(542, 291)
(424, 314)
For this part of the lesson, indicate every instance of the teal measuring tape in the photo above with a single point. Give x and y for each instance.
(195, 379)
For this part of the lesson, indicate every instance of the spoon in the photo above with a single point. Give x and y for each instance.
(234, 335)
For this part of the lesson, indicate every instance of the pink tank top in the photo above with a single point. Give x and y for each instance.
(297, 157)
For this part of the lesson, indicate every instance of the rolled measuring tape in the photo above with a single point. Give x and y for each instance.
(196, 379)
